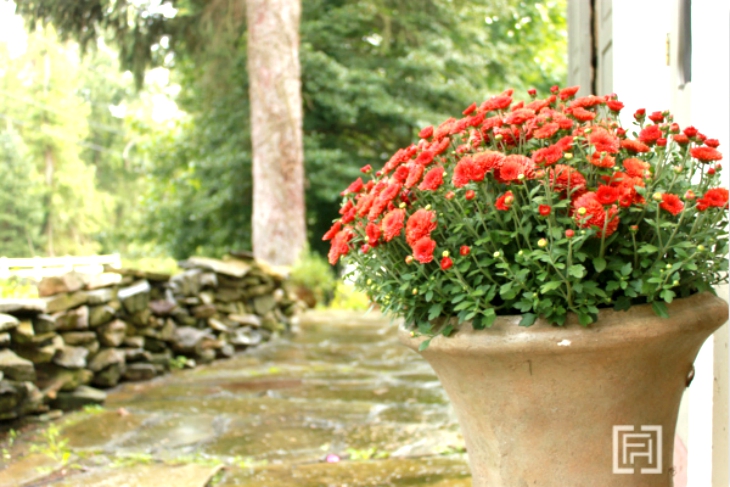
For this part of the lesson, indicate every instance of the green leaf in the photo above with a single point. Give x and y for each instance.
(577, 270)
(626, 269)
(489, 317)
(585, 319)
(448, 330)
(528, 319)
(435, 310)
(549, 286)
(429, 296)
(599, 263)
(622, 303)
(648, 249)
(424, 345)
(660, 309)
(668, 295)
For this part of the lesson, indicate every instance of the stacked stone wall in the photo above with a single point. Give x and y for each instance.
(85, 334)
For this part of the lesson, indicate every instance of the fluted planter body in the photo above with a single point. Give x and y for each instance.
(538, 405)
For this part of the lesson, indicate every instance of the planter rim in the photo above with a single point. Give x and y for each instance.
(613, 329)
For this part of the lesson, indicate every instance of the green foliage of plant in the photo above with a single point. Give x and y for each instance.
(313, 273)
(53, 445)
(15, 287)
(539, 210)
(366, 454)
(165, 265)
(178, 362)
(348, 297)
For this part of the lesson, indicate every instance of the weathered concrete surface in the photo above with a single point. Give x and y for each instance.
(342, 388)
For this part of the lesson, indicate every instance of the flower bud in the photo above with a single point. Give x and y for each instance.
(402, 205)
(532, 92)
(718, 167)
(508, 200)
(568, 156)
(413, 333)
(634, 228)
(711, 171)
(366, 169)
(668, 266)
(678, 169)
(657, 196)
(542, 243)
(675, 283)
(588, 131)
(409, 259)
(496, 254)
(369, 282)
(470, 194)
(520, 253)
(415, 291)
(569, 233)
(582, 211)
(690, 195)
(464, 250)
(445, 253)
(498, 137)
(445, 174)
(450, 195)
(701, 248)
(520, 177)
(428, 207)
(661, 142)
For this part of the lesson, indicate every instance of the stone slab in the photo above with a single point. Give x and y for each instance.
(28, 469)
(232, 268)
(154, 475)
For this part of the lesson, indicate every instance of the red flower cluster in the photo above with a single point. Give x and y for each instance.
(499, 155)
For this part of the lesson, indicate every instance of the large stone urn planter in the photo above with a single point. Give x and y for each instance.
(538, 405)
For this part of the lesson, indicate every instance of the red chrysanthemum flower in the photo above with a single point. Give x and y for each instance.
(566, 178)
(426, 132)
(714, 143)
(544, 210)
(340, 245)
(511, 168)
(433, 179)
(420, 224)
(414, 175)
(650, 134)
(373, 232)
(607, 195)
(423, 250)
(355, 187)
(504, 202)
(465, 171)
(582, 114)
(383, 199)
(717, 197)
(602, 160)
(444, 129)
(470, 195)
(672, 204)
(487, 161)
(634, 146)
(587, 101)
(425, 158)
(446, 263)
(604, 141)
(471, 108)
(636, 167)
(366, 169)
(499, 102)
(681, 139)
(567, 93)
(519, 116)
(565, 143)
(464, 250)
(614, 105)
(336, 227)
(705, 154)
(690, 131)
(401, 174)
(588, 212)
(546, 131)
(547, 156)
(392, 223)
(656, 117)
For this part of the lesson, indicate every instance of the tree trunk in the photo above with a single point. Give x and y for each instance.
(279, 231)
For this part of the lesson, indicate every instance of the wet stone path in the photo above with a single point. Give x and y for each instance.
(339, 404)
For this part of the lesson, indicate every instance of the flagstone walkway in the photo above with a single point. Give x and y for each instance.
(339, 404)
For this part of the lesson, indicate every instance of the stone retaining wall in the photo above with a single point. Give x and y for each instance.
(86, 333)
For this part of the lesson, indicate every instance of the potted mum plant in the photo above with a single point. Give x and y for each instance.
(556, 270)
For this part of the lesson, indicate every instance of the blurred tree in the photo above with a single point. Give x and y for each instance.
(373, 73)
(21, 198)
(38, 96)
